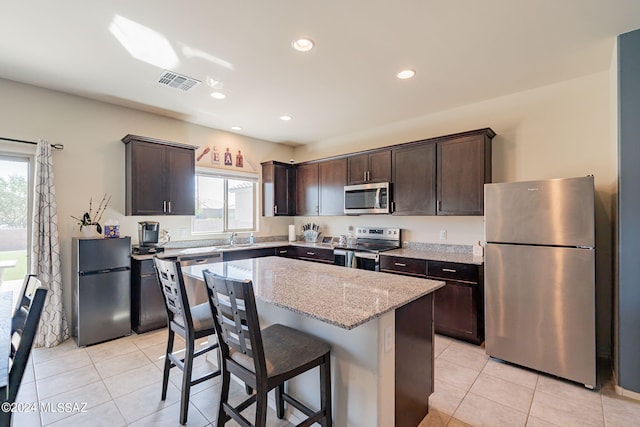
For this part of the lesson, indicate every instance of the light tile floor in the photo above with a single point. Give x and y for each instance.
(120, 381)
(473, 390)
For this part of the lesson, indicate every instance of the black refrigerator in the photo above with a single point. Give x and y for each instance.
(102, 289)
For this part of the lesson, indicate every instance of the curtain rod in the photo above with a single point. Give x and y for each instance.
(56, 146)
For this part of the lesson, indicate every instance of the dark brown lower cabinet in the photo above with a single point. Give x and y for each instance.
(459, 305)
(247, 254)
(147, 303)
(307, 253)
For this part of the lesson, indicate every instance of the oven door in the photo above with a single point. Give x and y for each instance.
(343, 258)
(367, 261)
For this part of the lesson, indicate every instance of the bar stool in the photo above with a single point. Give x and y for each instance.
(263, 359)
(27, 318)
(191, 323)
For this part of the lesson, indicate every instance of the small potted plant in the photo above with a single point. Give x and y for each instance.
(90, 221)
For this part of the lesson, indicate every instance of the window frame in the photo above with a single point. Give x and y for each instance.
(226, 175)
(29, 157)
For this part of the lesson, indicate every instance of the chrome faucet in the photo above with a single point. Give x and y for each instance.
(232, 238)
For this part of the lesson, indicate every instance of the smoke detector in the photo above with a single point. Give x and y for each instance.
(177, 81)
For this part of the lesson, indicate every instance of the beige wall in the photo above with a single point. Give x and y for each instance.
(556, 131)
(93, 160)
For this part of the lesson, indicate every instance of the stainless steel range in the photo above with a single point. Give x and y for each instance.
(364, 253)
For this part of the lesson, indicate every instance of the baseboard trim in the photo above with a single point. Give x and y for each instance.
(626, 393)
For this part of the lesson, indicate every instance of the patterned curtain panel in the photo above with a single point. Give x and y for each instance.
(45, 259)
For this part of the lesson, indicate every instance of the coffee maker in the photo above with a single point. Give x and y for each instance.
(148, 232)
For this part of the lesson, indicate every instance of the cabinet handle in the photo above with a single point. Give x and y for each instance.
(311, 253)
(275, 209)
(164, 206)
(399, 264)
(169, 207)
(439, 205)
(364, 178)
(368, 175)
(283, 252)
(449, 270)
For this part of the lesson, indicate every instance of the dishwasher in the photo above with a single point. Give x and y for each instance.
(196, 289)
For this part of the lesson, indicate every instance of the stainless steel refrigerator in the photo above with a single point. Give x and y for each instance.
(540, 276)
(102, 289)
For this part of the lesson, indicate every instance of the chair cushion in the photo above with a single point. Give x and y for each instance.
(201, 316)
(285, 349)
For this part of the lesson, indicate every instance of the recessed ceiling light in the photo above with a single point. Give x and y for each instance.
(218, 95)
(406, 74)
(303, 44)
(285, 117)
(236, 128)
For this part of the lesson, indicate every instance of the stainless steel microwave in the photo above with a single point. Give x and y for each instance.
(367, 199)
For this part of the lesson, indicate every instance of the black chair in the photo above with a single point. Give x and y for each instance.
(263, 359)
(27, 317)
(27, 292)
(191, 323)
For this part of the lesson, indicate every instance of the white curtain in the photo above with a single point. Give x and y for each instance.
(45, 256)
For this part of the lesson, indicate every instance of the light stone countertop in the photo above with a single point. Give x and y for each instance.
(344, 297)
(215, 249)
(416, 252)
(461, 257)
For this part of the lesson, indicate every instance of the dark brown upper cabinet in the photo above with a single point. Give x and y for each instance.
(320, 187)
(436, 176)
(463, 167)
(414, 179)
(369, 167)
(160, 177)
(307, 202)
(278, 180)
(332, 179)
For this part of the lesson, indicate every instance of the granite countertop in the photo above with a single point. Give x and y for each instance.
(195, 250)
(431, 255)
(344, 297)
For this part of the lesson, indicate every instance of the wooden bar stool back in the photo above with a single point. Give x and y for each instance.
(263, 359)
(27, 318)
(191, 323)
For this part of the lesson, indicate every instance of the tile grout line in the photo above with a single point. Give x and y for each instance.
(452, 416)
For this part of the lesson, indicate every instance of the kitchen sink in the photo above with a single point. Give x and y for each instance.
(201, 250)
(239, 245)
(205, 249)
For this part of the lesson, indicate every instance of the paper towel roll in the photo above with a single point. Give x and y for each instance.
(292, 233)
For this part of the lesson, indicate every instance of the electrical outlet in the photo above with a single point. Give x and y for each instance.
(388, 339)
(183, 233)
(443, 234)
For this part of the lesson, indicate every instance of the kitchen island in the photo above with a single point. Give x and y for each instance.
(380, 327)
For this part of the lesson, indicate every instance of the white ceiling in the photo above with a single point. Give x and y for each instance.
(463, 51)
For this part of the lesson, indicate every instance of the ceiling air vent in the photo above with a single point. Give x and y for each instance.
(177, 81)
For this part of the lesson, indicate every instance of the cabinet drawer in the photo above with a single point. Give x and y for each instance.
(315, 254)
(453, 271)
(401, 265)
(286, 251)
(247, 254)
(306, 253)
